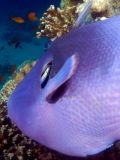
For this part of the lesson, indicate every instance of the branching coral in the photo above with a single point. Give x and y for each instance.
(56, 22)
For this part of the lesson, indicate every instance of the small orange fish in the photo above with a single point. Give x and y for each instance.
(18, 19)
(32, 16)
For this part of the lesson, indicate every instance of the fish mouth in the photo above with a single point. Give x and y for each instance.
(59, 84)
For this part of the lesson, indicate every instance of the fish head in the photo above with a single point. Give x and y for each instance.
(43, 86)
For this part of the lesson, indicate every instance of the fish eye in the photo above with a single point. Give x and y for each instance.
(45, 74)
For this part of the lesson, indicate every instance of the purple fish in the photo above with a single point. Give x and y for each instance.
(70, 100)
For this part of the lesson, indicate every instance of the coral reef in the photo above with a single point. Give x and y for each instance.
(57, 21)
(116, 6)
(101, 8)
(22, 71)
(116, 3)
(104, 9)
(8, 88)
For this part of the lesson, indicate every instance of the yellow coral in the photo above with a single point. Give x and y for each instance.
(19, 77)
(23, 70)
(56, 22)
(26, 68)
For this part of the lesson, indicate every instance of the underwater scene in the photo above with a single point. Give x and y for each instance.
(60, 80)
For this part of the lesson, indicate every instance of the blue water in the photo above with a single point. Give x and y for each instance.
(30, 47)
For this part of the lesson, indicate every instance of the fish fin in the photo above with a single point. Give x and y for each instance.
(65, 73)
(83, 16)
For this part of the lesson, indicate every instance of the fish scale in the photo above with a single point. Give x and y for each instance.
(78, 111)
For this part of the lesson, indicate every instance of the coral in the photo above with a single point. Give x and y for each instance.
(9, 87)
(65, 3)
(56, 22)
(105, 8)
(26, 68)
(19, 77)
(116, 6)
(102, 8)
(116, 3)
(23, 70)
(7, 90)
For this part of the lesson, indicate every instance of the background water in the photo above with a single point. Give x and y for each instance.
(30, 47)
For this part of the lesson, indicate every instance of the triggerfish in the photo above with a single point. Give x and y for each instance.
(70, 100)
